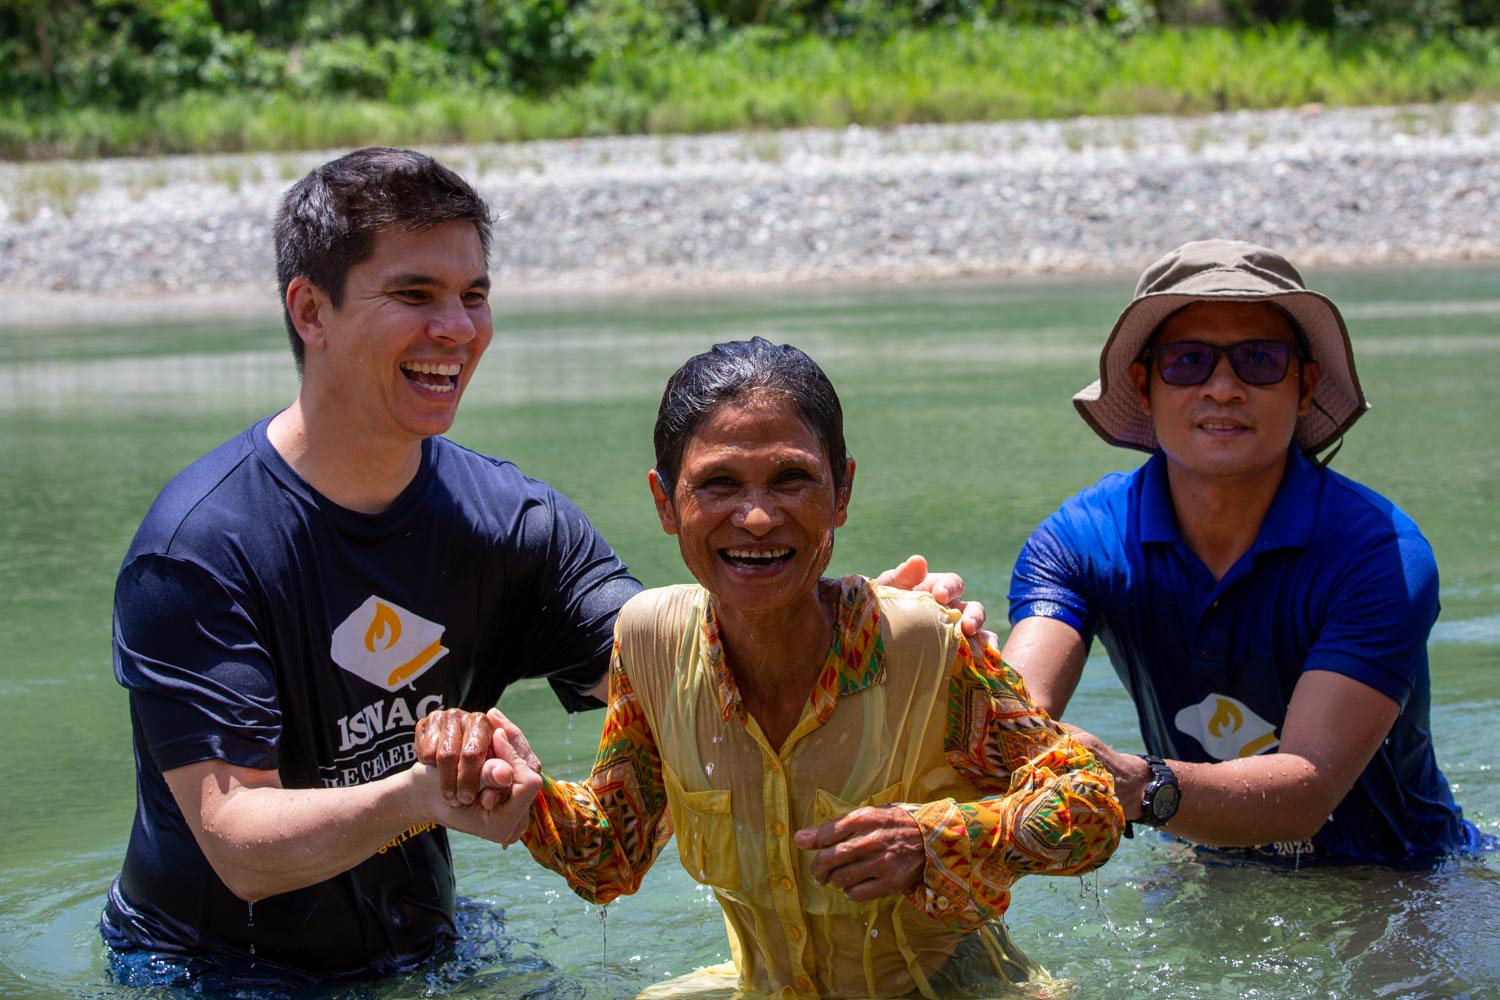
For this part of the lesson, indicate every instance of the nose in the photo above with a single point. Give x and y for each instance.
(452, 321)
(759, 513)
(1223, 384)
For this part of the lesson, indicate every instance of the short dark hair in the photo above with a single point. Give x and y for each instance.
(735, 371)
(328, 220)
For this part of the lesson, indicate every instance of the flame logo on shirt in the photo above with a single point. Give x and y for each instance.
(386, 622)
(1227, 728)
(386, 644)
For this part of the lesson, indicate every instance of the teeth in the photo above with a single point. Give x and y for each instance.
(428, 368)
(761, 554)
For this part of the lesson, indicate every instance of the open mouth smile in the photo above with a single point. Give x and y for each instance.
(432, 376)
(756, 558)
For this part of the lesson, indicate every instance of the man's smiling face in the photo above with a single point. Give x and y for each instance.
(414, 322)
(1225, 428)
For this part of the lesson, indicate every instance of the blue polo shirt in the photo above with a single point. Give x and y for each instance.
(1339, 578)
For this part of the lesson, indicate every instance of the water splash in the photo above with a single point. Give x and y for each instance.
(1088, 885)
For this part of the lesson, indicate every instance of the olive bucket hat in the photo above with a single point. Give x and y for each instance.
(1223, 270)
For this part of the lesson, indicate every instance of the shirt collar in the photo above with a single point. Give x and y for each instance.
(855, 661)
(1294, 510)
(1288, 522)
(1158, 517)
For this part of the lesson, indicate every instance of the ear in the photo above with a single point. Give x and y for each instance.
(308, 307)
(1140, 375)
(1308, 377)
(664, 511)
(841, 506)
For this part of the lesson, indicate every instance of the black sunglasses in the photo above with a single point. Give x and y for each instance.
(1191, 362)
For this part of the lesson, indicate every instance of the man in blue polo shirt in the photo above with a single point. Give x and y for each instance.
(1268, 616)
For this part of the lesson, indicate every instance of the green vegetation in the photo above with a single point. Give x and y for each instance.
(148, 77)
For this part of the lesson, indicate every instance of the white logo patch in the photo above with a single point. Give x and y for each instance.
(1227, 728)
(387, 645)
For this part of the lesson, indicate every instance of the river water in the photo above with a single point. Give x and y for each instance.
(957, 400)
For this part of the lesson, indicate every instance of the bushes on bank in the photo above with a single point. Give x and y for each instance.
(162, 76)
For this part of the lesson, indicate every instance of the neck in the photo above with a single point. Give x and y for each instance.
(776, 656)
(1220, 518)
(354, 472)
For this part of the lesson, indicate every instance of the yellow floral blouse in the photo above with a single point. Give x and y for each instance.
(902, 714)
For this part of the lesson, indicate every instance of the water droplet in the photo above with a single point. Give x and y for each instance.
(874, 933)
(708, 769)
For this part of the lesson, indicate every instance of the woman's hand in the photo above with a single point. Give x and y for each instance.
(478, 755)
(874, 852)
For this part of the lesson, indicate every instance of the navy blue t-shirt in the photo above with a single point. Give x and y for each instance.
(258, 623)
(1339, 579)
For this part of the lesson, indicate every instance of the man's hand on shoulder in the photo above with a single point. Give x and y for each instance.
(946, 588)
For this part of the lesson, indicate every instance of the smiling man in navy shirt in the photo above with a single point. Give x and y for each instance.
(1268, 616)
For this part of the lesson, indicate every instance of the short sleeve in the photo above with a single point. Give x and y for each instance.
(1050, 578)
(580, 586)
(1380, 615)
(202, 686)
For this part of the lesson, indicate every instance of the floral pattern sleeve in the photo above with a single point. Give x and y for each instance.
(604, 833)
(1051, 807)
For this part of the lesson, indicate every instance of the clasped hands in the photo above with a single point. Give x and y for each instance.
(483, 761)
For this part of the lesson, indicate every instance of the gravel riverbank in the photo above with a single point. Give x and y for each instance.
(135, 240)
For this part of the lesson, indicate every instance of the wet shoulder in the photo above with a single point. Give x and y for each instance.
(1102, 508)
(204, 501)
(914, 622)
(655, 620)
(1353, 514)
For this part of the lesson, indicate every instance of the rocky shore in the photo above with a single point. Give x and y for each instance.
(134, 240)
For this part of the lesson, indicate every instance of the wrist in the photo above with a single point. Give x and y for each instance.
(1161, 794)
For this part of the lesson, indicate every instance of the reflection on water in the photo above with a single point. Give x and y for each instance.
(957, 403)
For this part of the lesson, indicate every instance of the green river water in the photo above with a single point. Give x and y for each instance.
(957, 401)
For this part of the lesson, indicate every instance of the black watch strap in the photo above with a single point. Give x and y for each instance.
(1162, 796)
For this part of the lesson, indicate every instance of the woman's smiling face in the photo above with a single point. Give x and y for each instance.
(754, 506)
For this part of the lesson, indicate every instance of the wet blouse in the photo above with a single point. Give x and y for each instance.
(901, 714)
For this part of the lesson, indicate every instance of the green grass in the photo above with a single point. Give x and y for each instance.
(756, 83)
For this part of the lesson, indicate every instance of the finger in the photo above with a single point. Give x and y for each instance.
(516, 739)
(945, 588)
(837, 844)
(879, 888)
(973, 617)
(424, 740)
(905, 576)
(449, 742)
(472, 755)
(498, 777)
(816, 838)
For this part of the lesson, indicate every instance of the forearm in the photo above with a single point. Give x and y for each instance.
(266, 840)
(573, 833)
(1059, 817)
(1272, 798)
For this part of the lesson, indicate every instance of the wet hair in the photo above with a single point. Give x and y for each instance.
(328, 221)
(739, 370)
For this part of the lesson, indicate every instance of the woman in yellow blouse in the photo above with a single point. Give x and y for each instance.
(858, 787)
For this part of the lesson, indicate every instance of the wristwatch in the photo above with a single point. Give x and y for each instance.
(1161, 798)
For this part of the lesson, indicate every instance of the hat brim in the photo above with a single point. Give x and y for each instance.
(1112, 408)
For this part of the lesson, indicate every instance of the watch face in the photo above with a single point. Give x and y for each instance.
(1164, 803)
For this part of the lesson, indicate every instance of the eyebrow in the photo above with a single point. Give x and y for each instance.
(412, 278)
